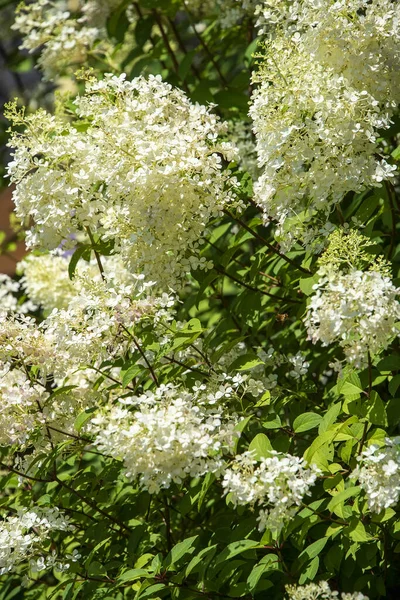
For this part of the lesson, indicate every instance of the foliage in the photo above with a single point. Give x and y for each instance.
(171, 426)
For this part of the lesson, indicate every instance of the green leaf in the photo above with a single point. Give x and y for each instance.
(134, 574)
(357, 532)
(306, 421)
(83, 418)
(306, 285)
(329, 418)
(201, 559)
(394, 385)
(389, 363)
(314, 549)
(234, 549)
(256, 574)
(179, 551)
(337, 502)
(310, 572)
(151, 591)
(80, 252)
(376, 412)
(261, 446)
(350, 385)
(96, 568)
(245, 362)
(130, 374)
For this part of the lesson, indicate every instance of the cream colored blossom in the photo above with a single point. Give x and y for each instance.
(146, 172)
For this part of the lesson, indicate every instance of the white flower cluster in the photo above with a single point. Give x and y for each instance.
(165, 436)
(320, 591)
(146, 172)
(358, 310)
(47, 283)
(64, 38)
(31, 416)
(278, 483)
(19, 401)
(22, 536)
(9, 289)
(320, 105)
(379, 474)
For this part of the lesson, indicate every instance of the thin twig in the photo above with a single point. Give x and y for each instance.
(266, 243)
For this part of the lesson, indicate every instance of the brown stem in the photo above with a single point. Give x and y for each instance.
(205, 47)
(168, 46)
(266, 243)
(97, 255)
(12, 470)
(253, 289)
(181, 45)
(94, 505)
(142, 354)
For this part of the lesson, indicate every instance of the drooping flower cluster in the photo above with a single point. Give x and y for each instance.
(166, 436)
(9, 291)
(276, 483)
(19, 400)
(320, 591)
(358, 310)
(146, 173)
(320, 105)
(22, 536)
(378, 473)
(47, 283)
(65, 38)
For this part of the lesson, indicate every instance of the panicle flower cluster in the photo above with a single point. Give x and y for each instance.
(19, 400)
(9, 302)
(47, 283)
(95, 326)
(28, 410)
(166, 436)
(22, 536)
(320, 591)
(379, 474)
(358, 310)
(278, 482)
(89, 318)
(146, 172)
(63, 37)
(320, 105)
(22, 340)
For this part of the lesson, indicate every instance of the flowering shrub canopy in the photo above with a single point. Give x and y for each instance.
(199, 355)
